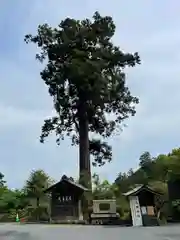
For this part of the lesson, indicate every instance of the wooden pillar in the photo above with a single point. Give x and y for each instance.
(80, 210)
(50, 208)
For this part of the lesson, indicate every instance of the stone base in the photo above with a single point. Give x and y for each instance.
(68, 222)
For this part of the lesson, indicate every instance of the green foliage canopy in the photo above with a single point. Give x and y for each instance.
(85, 76)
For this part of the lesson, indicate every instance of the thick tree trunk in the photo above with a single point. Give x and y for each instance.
(85, 165)
(84, 156)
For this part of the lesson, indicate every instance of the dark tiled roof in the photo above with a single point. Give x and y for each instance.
(67, 180)
(140, 188)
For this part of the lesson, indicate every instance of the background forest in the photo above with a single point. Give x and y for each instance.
(32, 204)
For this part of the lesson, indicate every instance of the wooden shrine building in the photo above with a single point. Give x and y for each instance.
(65, 200)
(143, 202)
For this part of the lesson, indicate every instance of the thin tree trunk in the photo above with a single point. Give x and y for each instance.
(37, 205)
(37, 202)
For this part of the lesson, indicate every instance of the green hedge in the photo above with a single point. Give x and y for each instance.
(28, 214)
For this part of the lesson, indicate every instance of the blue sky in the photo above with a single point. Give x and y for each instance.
(149, 27)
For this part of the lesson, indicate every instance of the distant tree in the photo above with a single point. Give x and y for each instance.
(130, 172)
(146, 166)
(2, 181)
(145, 159)
(84, 74)
(12, 199)
(96, 180)
(173, 164)
(103, 190)
(162, 167)
(122, 181)
(36, 184)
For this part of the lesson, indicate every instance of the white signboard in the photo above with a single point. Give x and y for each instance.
(143, 210)
(135, 211)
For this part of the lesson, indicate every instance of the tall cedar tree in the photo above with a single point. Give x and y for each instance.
(84, 74)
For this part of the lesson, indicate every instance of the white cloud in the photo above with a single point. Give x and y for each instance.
(167, 37)
(10, 116)
(16, 117)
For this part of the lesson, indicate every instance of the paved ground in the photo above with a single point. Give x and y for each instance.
(53, 232)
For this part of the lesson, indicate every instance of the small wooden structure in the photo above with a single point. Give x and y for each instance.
(65, 200)
(142, 201)
(174, 199)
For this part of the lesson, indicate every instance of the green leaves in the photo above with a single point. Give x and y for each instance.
(155, 171)
(101, 151)
(19, 200)
(37, 183)
(2, 182)
(84, 68)
(103, 190)
(10, 199)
